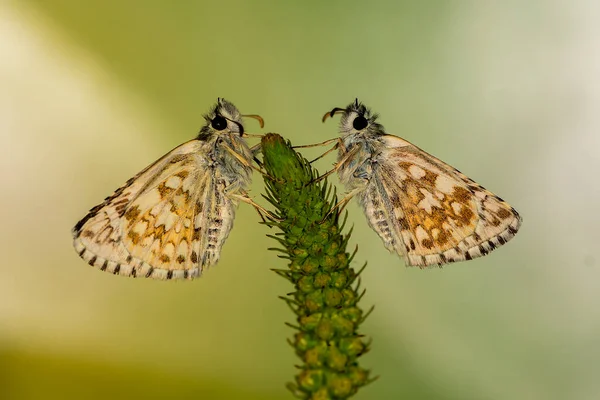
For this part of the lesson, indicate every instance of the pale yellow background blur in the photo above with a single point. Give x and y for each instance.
(93, 91)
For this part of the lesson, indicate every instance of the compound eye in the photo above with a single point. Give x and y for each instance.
(360, 123)
(219, 123)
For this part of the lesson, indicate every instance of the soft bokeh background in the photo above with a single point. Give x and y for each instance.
(93, 91)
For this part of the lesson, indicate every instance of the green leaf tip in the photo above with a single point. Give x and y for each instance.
(325, 297)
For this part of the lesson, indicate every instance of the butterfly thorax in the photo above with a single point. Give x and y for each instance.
(232, 167)
(359, 157)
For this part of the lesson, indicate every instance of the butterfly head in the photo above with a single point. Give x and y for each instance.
(356, 119)
(225, 118)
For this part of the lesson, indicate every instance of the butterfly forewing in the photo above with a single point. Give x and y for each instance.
(435, 214)
(134, 227)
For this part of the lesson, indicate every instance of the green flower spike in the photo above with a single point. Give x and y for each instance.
(326, 294)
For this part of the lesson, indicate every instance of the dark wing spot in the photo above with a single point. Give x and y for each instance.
(134, 236)
(403, 224)
(196, 235)
(466, 215)
(194, 257)
(159, 231)
(462, 194)
(504, 213)
(132, 213)
(430, 177)
(177, 158)
(442, 238)
(164, 190)
(92, 261)
(120, 209)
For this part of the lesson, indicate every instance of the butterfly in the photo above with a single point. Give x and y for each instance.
(423, 209)
(171, 220)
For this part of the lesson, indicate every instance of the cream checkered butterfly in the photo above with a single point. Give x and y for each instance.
(422, 208)
(170, 220)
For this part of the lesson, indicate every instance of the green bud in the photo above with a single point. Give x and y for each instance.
(321, 394)
(352, 346)
(310, 322)
(310, 380)
(341, 386)
(336, 360)
(341, 325)
(321, 279)
(305, 284)
(333, 297)
(314, 301)
(325, 329)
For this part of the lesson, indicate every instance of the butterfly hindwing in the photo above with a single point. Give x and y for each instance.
(152, 226)
(434, 214)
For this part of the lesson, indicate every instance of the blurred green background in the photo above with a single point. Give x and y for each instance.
(93, 91)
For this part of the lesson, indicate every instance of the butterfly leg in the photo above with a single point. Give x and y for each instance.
(336, 146)
(361, 176)
(325, 143)
(256, 149)
(347, 156)
(233, 193)
(344, 202)
(243, 161)
(324, 154)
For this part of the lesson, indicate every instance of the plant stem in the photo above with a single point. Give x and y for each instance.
(326, 294)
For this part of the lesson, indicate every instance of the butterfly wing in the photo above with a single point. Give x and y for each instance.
(429, 212)
(167, 222)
